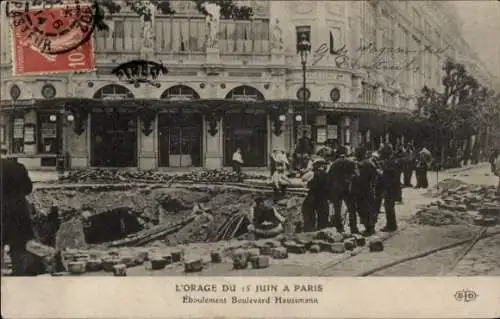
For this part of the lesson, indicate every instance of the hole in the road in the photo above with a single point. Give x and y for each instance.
(110, 225)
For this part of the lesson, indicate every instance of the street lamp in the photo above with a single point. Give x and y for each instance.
(304, 48)
(67, 119)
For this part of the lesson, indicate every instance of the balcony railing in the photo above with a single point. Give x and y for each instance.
(186, 36)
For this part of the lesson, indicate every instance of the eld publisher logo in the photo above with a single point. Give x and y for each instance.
(466, 295)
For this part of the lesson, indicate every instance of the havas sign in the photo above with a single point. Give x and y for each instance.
(140, 71)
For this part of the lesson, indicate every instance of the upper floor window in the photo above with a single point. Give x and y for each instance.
(180, 92)
(245, 93)
(301, 31)
(113, 91)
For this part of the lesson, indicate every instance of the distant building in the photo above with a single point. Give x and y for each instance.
(368, 62)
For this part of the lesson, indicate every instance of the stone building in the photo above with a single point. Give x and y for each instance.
(233, 84)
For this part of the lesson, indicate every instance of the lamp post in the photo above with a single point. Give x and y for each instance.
(304, 48)
(67, 120)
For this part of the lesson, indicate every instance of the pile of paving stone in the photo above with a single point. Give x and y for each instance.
(241, 254)
(458, 203)
(93, 175)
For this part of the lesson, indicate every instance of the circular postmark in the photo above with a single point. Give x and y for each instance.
(52, 28)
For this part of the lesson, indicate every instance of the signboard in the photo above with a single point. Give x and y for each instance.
(29, 134)
(321, 135)
(18, 128)
(332, 132)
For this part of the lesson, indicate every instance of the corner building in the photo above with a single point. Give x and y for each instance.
(368, 61)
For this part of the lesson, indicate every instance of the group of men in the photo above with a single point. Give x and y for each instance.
(362, 182)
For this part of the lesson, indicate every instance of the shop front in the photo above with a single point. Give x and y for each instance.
(180, 139)
(180, 129)
(113, 138)
(248, 132)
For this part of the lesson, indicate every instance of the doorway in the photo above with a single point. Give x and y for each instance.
(247, 132)
(113, 139)
(180, 139)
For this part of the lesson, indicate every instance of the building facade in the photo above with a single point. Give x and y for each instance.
(235, 84)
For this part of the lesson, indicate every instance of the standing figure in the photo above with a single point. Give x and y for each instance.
(409, 165)
(277, 39)
(147, 24)
(391, 186)
(280, 181)
(495, 167)
(15, 210)
(365, 191)
(341, 176)
(237, 160)
(315, 207)
(422, 166)
(212, 20)
(305, 147)
(273, 159)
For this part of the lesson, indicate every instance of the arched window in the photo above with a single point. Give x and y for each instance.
(113, 92)
(245, 93)
(180, 92)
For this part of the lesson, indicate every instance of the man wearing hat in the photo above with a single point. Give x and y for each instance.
(365, 191)
(265, 220)
(341, 176)
(315, 207)
(391, 185)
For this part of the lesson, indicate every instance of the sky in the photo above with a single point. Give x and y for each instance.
(480, 21)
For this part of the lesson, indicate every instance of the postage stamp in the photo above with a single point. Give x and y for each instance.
(52, 40)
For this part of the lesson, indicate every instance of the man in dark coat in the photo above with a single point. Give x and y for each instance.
(341, 176)
(315, 209)
(391, 186)
(409, 165)
(16, 221)
(365, 191)
(305, 146)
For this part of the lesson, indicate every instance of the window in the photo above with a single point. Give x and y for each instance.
(49, 140)
(180, 92)
(244, 36)
(18, 135)
(245, 93)
(113, 91)
(303, 31)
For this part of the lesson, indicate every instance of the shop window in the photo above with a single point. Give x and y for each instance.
(49, 137)
(18, 135)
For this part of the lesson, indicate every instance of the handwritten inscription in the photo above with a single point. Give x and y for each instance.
(372, 58)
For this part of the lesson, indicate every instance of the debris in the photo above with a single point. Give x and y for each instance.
(350, 244)
(157, 263)
(360, 240)
(94, 265)
(109, 263)
(376, 245)
(240, 259)
(337, 248)
(120, 270)
(260, 262)
(216, 257)
(76, 267)
(195, 265)
(279, 253)
(315, 249)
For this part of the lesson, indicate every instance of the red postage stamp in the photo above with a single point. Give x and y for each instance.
(53, 40)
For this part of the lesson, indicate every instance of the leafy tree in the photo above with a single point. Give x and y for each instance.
(448, 119)
(228, 8)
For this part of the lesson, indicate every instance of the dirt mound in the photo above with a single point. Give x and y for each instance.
(440, 217)
(458, 203)
(154, 176)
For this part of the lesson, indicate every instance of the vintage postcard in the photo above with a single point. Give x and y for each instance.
(258, 158)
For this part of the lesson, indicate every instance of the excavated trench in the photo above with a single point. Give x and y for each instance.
(78, 218)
